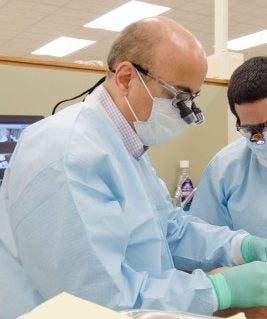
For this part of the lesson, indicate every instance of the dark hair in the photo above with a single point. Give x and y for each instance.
(248, 83)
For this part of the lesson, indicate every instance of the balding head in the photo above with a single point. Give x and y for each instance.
(154, 41)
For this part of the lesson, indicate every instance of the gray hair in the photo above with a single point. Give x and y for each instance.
(136, 44)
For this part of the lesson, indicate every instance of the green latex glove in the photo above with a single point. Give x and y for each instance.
(254, 248)
(241, 286)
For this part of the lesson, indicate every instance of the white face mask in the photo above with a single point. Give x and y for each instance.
(163, 124)
(259, 150)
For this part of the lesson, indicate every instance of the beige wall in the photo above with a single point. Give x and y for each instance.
(31, 90)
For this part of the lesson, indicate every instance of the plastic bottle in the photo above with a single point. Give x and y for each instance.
(184, 186)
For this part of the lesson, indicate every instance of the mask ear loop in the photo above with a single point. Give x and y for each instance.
(143, 82)
(131, 109)
(127, 101)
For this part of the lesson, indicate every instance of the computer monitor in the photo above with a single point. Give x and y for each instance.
(11, 127)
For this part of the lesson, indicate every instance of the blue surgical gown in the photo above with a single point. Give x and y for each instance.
(89, 219)
(232, 190)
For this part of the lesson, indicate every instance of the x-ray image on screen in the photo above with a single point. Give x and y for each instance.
(10, 132)
(11, 127)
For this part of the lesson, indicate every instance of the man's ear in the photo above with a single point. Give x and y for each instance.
(124, 73)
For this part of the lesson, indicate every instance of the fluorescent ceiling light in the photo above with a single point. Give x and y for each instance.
(248, 41)
(131, 11)
(62, 46)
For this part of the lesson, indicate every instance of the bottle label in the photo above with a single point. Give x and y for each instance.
(186, 188)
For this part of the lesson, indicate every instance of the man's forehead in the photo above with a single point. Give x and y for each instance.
(252, 112)
(181, 74)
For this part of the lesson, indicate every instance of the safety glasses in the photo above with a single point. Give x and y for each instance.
(254, 132)
(179, 95)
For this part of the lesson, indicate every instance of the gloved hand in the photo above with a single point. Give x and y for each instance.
(241, 286)
(254, 248)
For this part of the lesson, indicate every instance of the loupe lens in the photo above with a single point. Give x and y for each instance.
(257, 137)
(185, 112)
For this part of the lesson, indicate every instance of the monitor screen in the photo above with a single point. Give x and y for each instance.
(11, 127)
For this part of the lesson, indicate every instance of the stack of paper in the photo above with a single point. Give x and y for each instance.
(66, 306)
(239, 315)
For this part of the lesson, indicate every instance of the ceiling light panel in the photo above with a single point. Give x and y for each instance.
(63, 46)
(248, 41)
(119, 18)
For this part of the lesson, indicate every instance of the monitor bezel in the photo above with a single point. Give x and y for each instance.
(16, 119)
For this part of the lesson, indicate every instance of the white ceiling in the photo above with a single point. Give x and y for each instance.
(26, 25)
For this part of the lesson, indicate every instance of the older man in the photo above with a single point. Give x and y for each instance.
(91, 217)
